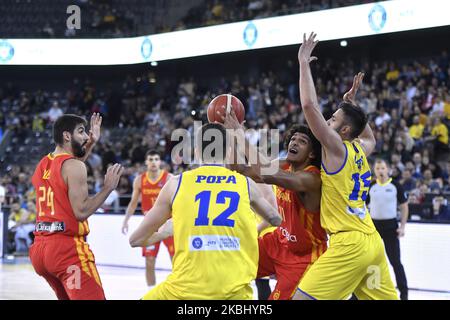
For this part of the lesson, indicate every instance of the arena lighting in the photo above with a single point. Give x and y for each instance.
(367, 19)
(343, 43)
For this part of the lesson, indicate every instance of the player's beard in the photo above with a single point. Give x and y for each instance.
(77, 149)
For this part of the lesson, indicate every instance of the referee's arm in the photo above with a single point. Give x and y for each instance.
(404, 210)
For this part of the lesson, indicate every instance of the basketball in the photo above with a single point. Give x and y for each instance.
(222, 104)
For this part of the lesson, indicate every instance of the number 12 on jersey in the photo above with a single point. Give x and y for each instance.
(204, 199)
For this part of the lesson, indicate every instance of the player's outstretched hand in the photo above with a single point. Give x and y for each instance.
(94, 130)
(230, 121)
(350, 95)
(308, 45)
(112, 176)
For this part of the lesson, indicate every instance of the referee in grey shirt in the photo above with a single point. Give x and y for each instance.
(385, 196)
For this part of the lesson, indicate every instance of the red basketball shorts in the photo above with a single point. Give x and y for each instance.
(289, 268)
(68, 265)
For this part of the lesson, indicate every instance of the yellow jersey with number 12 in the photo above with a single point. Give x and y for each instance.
(215, 236)
(344, 193)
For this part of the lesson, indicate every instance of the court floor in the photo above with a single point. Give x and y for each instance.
(19, 282)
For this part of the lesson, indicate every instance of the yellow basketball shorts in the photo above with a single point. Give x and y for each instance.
(355, 262)
(163, 292)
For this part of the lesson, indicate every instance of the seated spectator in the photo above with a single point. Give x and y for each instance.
(55, 112)
(429, 181)
(382, 118)
(438, 107)
(38, 124)
(441, 208)
(393, 73)
(125, 186)
(396, 161)
(417, 196)
(417, 161)
(22, 223)
(440, 133)
(407, 181)
(416, 131)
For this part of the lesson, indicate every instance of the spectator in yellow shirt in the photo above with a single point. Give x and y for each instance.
(440, 133)
(416, 130)
(447, 109)
(393, 73)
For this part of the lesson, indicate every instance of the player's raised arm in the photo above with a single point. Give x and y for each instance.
(366, 138)
(75, 173)
(131, 208)
(329, 138)
(261, 206)
(298, 181)
(156, 217)
(94, 134)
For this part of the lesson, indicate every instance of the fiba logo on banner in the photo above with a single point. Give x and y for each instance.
(6, 51)
(250, 34)
(146, 48)
(377, 18)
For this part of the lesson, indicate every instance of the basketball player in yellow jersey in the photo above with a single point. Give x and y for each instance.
(214, 227)
(355, 261)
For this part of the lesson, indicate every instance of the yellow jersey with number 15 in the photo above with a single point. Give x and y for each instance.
(215, 236)
(344, 193)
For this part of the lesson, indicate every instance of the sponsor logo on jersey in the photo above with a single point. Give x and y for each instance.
(276, 295)
(289, 237)
(50, 227)
(360, 212)
(214, 243)
(359, 162)
(197, 243)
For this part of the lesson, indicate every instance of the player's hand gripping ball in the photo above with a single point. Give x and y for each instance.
(222, 104)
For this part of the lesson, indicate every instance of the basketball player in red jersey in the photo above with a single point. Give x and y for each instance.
(147, 186)
(298, 242)
(60, 253)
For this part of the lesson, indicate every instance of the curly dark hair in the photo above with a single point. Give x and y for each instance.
(315, 144)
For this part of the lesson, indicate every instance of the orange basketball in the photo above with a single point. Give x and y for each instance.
(222, 104)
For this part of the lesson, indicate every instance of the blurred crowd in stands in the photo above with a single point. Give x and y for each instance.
(48, 18)
(408, 104)
(128, 18)
(225, 11)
